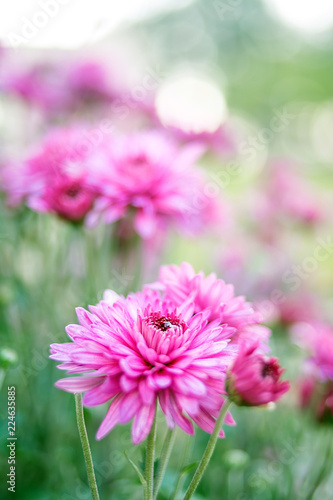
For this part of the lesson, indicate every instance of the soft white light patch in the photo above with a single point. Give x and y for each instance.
(191, 103)
(305, 15)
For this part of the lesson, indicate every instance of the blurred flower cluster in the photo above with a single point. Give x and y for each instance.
(147, 179)
(143, 180)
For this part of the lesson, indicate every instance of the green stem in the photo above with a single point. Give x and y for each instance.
(85, 446)
(164, 459)
(208, 451)
(2, 376)
(150, 456)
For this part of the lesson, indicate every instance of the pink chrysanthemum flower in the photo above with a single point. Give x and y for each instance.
(138, 350)
(254, 379)
(152, 184)
(54, 177)
(180, 282)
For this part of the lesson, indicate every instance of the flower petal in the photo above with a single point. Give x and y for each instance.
(142, 423)
(79, 384)
(111, 418)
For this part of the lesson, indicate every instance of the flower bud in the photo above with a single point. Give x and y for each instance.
(254, 379)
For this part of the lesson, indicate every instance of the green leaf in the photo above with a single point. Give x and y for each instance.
(136, 468)
(188, 468)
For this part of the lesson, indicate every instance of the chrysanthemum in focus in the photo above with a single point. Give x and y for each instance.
(138, 350)
(53, 178)
(254, 379)
(209, 292)
(150, 184)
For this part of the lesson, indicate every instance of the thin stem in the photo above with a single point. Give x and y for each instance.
(164, 459)
(85, 446)
(208, 451)
(150, 456)
(2, 376)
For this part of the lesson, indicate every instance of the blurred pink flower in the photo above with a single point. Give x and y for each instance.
(325, 409)
(317, 338)
(297, 307)
(88, 81)
(53, 178)
(288, 192)
(307, 388)
(318, 397)
(180, 282)
(265, 283)
(220, 142)
(41, 85)
(286, 197)
(56, 87)
(254, 379)
(150, 184)
(138, 350)
(316, 387)
(285, 307)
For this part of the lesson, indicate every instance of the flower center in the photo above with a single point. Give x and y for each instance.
(163, 332)
(73, 192)
(163, 323)
(269, 369)
(139, 160)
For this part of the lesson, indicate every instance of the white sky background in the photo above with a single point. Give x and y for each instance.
(71, 24)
